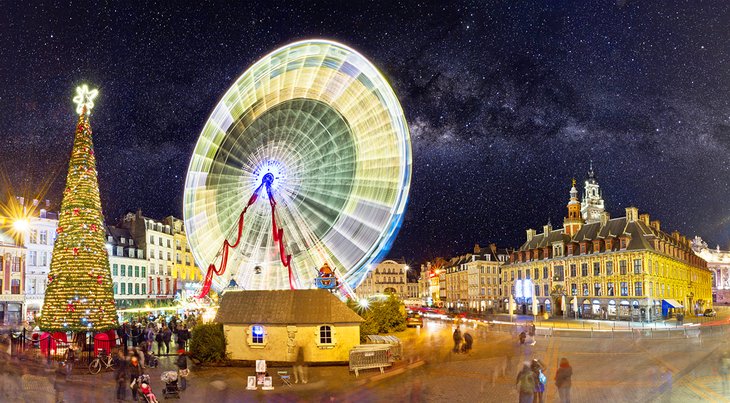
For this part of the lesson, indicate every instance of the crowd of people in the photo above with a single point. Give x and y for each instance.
(148, 331)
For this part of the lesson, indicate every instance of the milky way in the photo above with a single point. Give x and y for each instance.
(505, 103)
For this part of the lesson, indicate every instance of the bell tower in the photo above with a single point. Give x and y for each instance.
(592, 206)
(574, 220)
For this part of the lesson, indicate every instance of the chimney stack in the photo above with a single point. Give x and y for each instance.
(477, 249)
(547, 228)
(605, 216)
(632, 214)
(644, 218)
(530, 234)
(675, 235)
(493, 248)
(656, 224)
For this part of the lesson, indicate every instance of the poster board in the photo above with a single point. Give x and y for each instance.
(251, 384)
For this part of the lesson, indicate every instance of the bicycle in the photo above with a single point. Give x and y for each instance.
(102, 360)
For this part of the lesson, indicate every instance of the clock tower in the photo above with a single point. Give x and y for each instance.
(592, 206)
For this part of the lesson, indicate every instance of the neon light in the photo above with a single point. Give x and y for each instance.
(84, 99)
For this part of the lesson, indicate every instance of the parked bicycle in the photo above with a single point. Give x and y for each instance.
(102, 360)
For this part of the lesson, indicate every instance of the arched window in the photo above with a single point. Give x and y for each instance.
(325, 334)
(257, 334)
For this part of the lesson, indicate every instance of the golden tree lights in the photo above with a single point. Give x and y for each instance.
(79, 295)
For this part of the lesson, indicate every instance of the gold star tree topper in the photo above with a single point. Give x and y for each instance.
(84, 98)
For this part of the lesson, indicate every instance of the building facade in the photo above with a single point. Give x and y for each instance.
(718, 261)
(622, 268)
(38, 241)
(388, 277)
(185, 272)
(473, 280)
(13, 257)
(128, 266)
(156, 239)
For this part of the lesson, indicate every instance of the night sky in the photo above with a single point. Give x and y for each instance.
(506, 103)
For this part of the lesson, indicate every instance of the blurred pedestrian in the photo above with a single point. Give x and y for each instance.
(562, 380)
(135, 371)
(120, 376)
(725, 371)
(150, 337)
(299, 369)
(457, 339)
(522, 337)
(182, 368)
(59, 384)
(468, 341)
(537, 368)
(183, 335)
(70, 358)
(166, 337)
(526, 384)
(158, 339)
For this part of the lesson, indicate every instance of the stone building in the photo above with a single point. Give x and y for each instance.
(388, 277)
(614, 268)
(186, 273)
(718, 261)
(472, 280)
(13, 257)
(38, 241)
(128, 266)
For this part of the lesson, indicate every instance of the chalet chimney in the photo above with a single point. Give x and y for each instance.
(657, 225)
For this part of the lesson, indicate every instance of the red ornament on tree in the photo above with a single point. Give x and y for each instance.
(76, 251)
(92, 227)
(99, 279)
(76, 211)
(70, 307)
(59, 230)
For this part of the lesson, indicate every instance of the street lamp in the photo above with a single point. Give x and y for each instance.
(21, 225)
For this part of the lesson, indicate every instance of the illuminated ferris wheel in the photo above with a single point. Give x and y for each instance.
(306, 160)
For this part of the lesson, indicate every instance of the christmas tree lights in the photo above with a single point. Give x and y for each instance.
(79, 296)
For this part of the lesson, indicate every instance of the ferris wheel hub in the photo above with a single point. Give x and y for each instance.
(268, 179)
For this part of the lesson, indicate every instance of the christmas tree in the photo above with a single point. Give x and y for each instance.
(79, 296)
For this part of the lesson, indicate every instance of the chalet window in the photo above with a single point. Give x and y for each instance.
(325, 334)
(257, 334)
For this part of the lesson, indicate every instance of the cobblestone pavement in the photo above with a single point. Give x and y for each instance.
(610, 370)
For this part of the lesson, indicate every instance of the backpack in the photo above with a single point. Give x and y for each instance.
(527, 383)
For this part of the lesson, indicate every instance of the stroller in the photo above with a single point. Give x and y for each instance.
(145, 391)
(171, 388)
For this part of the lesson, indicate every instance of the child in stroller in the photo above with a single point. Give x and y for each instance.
(170, 380)
(146, 395)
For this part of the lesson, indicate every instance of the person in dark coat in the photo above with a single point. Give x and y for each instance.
(59, 384)
(468, 341)
(135, 371)
(182, 368)
(562, 380)
(120, 376)
(457, 339)
(166, 337)
(183, 335)
(526, 384)
(537, 367)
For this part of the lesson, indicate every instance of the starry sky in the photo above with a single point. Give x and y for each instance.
(506, 101)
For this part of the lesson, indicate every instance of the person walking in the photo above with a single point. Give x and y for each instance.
(457, 339)
(150, 337)
(59, 384)
(166, 337)
(562, 380)
(182, 368)
(468, 341)
(120, 376)
(70, 359)
(526, 384)
(540, 380)
(299, 371)
(183, 335)
(135, 371)
(158, 339)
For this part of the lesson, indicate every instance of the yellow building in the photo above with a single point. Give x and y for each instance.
(621, 268)
(186, 273)
(270, 325)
